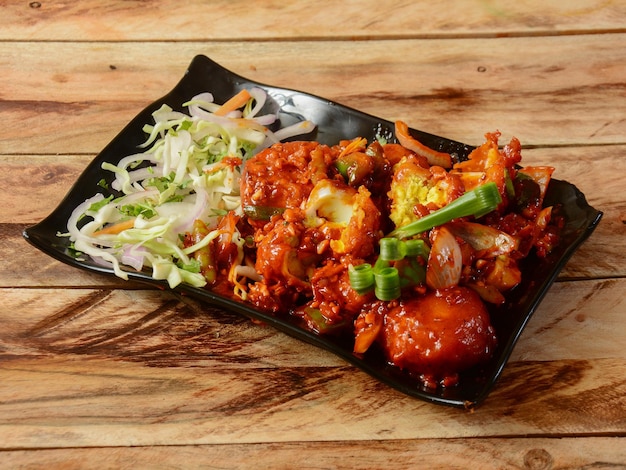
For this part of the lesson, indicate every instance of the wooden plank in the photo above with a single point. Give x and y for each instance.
(457, 88)
(80, 401)
(483, 453)
(149, 327)
(192, 376)
(36, 184)
(153, 326)
(238, 19)
(575, 321)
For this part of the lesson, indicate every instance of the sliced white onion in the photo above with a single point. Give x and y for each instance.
(247, 271)
(134, 256)
(141, 174)
(142, 193)
(265, 120)
(204, 97)
(488, 241)
(303, 127)
(260, 96)
(186, 218)
(445, 260)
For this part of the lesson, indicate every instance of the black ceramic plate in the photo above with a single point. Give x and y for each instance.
(334, 122)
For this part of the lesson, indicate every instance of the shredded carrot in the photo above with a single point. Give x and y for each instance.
(234, 103)
(353, 146)
(239, 288)
(114, 229)
(407, 140)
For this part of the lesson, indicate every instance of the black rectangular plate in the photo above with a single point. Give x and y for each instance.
(334, 122)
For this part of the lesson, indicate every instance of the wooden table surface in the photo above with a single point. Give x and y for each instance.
(96, 372)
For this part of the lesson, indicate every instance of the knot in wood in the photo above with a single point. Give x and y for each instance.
(538, 459)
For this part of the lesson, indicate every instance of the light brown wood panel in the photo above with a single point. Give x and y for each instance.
(162, 328)
(36, 184)
(568, 91)
(149, 327)
(483, 453)
(576, 320)
(238, 19)
(192, 376)
(98, 402)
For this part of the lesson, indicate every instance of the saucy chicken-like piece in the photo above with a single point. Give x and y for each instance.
(315, 219)
(284, 258)
(334, 303)
(438, 334)
(283, 175)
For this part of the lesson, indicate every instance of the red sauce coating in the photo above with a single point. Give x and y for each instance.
(439, 334)
(436, 329)
(283, 175)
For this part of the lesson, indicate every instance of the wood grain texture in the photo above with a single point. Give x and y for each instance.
(108, 403)
(273, 20)
(97, 372)
(487, 454)
(90, 356)
(456, 88)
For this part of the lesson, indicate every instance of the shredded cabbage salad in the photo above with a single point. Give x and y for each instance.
(188, 169)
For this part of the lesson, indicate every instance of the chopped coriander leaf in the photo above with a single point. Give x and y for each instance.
(96, 206)
(140, 209)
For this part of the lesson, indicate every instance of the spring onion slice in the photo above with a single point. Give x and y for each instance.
(394, 249)
(386, 279)
(387, 283)
(361, 277)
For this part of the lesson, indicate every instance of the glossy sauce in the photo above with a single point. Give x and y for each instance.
(312, 211)
(439, 334)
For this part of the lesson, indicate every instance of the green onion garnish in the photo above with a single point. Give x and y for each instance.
(398, 264)
(386, 279)
(393, 249)
(477, 202)
(387, 284)
(361, 277)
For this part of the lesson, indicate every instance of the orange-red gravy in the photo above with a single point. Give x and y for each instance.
(439, 334)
